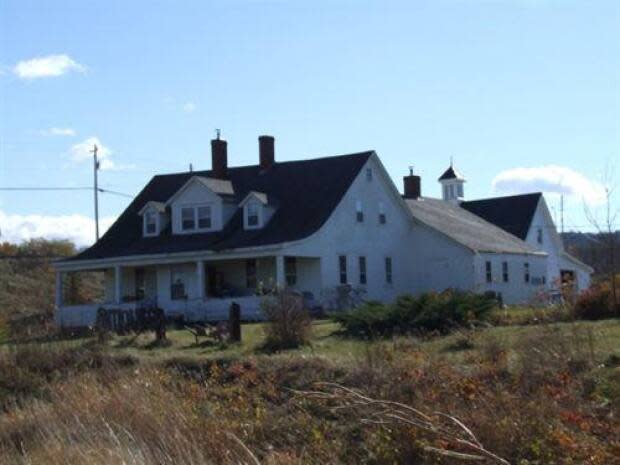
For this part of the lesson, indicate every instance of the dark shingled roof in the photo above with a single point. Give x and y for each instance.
(466, 228)
(513, 213)
(307, 192)
(450, 173)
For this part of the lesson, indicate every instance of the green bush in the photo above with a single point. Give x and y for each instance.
(428, 312)
(288, 324)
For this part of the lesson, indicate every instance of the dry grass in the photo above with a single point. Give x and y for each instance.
(539, 395)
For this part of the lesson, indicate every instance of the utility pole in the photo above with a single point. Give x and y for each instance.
(96, 189)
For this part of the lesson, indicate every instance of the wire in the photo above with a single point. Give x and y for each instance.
(122, 194)
(45, 188)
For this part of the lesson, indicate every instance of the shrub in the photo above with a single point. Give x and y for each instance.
(594, 303)
(288, 323)
(427, 312)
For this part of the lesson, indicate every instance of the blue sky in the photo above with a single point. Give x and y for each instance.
(521, 92)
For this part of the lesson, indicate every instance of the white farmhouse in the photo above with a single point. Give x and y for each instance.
(194, 242)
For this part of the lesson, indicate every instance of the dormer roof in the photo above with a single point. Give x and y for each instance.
(263, 198)
(159, 207)
(221, 187)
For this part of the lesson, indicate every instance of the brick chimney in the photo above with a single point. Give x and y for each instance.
(266, 152)
(219, 158)
(412, 185)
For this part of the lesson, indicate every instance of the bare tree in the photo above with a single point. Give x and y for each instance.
(607, 230)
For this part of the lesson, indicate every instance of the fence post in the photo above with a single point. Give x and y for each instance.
(234, 322)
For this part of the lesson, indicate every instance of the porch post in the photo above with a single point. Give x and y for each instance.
(200, 278)
(118, 284)
(59, 296)
(280, 276)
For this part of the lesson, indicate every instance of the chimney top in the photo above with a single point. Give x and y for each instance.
(266, 152)
(412, 185)
(219, 157)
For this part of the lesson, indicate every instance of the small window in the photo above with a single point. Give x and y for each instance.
(445, 192)
(188, 222)
(204, 217)
(342, 268)
(539, 235)
(252, 213)
(368, 174)
(290, 270)
(150, 223)
(382, 217)
(460, 190)
(250, 273)
(388, 270)
(177, 287)
(451, 191)
(505, 271)
(544, 280)
(526, 272)
(489, 271)
(359, 212)
(362, 264)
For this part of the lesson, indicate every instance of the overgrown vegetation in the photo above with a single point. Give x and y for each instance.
(533, 395)
(596, 303)
(432, 311)
(288, 322)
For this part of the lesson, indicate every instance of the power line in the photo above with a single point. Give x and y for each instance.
(99, 189)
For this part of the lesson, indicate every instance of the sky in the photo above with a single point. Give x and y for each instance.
(522, 94)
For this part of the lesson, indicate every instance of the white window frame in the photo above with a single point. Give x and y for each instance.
(194, 208)
(368, 174)
(539, 235)
(382, 215)
(209, 216)
(359, 211)
(145, 223)
(259, 215)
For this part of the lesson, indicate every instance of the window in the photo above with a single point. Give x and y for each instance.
(150, 223)
(526, 272)
(451, 191)
(204, 217)
(388, 270)
(139, 283)
(252, 214)
(539, 235)
(188, 221)
(290, 270)
(544, 280)
(489, 272)
(382, 218)
(505, 272)
(250, 273)
(359, 211)
(460, 190)
(362, 263)
(445, 192)
(177, 285)
(342, 267)
(368, 174)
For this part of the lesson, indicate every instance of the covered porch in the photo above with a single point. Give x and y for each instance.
(196, 290)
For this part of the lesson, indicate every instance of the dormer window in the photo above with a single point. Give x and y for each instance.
(258, 209)
(153, 218)
(204, 217)
(252, 212)
(187, 219)
(150, 223)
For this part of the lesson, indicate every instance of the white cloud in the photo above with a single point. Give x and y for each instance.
(79, 229)
(59, 132)
(189, 107)
(551, 179)
(48, 66)
(82, 152)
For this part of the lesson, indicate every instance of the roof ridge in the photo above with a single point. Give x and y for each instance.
(512, 196)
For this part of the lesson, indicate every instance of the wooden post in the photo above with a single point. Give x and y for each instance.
(234, 322)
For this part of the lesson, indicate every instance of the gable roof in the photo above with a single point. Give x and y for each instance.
(159, 207)
(466, 228)
(513, 213)
(260, 196)
(451, 173)
(307, 192)
(221, 187)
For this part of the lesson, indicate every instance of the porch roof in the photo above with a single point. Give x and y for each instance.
(307, 191)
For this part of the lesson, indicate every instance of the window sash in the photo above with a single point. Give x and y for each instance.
(252, 214)
(150, 223)
(505, 276)
(342, 268)
(188, 218)
(388, 270)
(489, 272)
(526, 272)
(363, 275)
(290, 270)
(204, 217)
